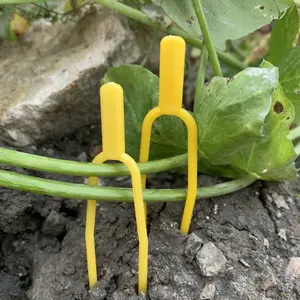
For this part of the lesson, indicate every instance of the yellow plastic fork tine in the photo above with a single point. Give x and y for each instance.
(113, 143)
(172, 55)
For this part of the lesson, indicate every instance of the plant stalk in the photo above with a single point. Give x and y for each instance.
(66, 167)
(143, 18)
(201, 75)
(207, 38)
(81, 191)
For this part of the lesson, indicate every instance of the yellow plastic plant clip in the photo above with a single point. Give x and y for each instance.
(172, 55)
(113, 144)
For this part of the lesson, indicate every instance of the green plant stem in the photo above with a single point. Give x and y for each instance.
(143, 18)
(201, 74)
(207, 38)
(66, 167)
(294, 133)
(82, 191)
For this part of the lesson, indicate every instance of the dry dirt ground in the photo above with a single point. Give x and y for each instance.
(237, 250)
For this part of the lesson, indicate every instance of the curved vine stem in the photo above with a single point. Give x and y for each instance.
(207, 38)
(67, 167)
(82, 191)
(201, 75)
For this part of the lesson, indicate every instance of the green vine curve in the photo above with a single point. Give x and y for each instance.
(81, 191)
(67, 167)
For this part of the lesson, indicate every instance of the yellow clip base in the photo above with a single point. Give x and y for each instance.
(172, 54)
(113, 142)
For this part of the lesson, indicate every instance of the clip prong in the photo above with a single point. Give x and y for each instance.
(172, 55)
(113, 143)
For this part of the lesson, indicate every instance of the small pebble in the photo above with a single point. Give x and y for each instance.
(50, 152)
(210, 260)
(279, 202)
(215, 209)
(192, 245)
(208, 292)
(266, 243)
(82, 157)
(244, 263)
(282, 233)
(268, 283)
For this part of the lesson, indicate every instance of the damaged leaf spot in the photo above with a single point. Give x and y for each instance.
(261, 7)
(297, 92)
(278, 108)
(189, 22)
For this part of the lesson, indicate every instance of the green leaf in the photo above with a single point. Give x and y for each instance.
(284, 35)
(230, 114)
(284, 4)
(289, 75)
(140, 96)
(272, 157)
(231, 19)
(243, 126)
(156, 14)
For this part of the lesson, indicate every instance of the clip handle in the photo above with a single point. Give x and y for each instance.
(112, 119)
(172, 56)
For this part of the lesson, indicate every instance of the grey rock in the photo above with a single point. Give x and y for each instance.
(208, 292)
(82, 157)
(97, 292)
(167, 292)
(50, 81)
(128, 294)
(192, 246)
(54, 224)
(210, 260)
(268, 283)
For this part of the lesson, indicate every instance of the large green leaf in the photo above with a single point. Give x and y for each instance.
(284, 35)
(272, 157)
(230, 114)
(140, 95)
(229, 19)
(243, 125)
(289, 75)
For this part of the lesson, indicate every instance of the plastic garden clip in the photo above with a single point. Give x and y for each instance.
(172, 55)
(113, 142)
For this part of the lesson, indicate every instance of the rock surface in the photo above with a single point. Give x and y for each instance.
(50, 81)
